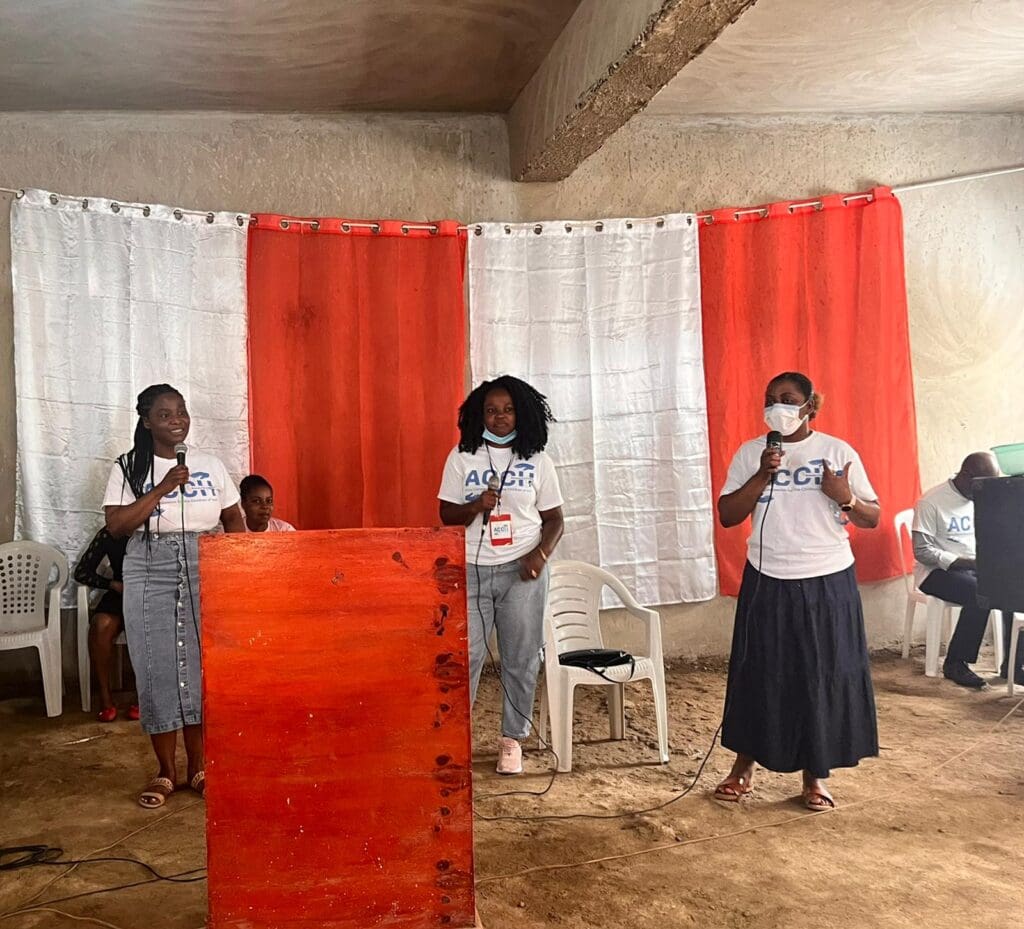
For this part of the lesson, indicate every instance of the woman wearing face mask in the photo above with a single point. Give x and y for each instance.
(799, 695)
(499, 472)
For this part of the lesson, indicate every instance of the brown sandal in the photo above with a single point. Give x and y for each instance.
(817, 801)
(198, 783)
(733, 789)
(156, 793)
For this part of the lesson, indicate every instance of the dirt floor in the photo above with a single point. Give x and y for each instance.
(929, 834)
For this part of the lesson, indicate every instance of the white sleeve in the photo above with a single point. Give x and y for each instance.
(453, 479)
(860, 484)
(740, 471)
(549, 493)
(230, 491)
(118, 492)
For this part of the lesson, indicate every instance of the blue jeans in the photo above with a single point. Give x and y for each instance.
(499, 599)
(161, 624)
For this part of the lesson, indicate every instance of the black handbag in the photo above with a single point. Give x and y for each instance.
(599, 660)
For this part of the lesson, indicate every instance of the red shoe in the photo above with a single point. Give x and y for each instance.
(108, 715)
(133, 711)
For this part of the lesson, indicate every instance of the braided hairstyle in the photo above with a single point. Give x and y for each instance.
(137, 463)
(532, 416)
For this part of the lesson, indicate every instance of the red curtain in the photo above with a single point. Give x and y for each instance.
(817, 290)
(356, 366)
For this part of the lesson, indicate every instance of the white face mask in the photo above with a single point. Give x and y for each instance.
(784, 417)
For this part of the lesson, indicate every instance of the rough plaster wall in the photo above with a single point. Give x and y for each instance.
(963, 243)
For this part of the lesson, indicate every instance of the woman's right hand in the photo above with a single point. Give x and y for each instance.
(488, 500)
(175, 478)
(771, 461)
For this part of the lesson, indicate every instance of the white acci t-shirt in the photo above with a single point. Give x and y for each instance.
(208, 491)
(804, 532)
(946, 517)
(529, 486)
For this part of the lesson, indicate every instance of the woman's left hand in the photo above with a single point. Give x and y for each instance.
(531, 565)
(836, 484)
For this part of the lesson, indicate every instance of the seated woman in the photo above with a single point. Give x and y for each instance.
(107, 621)
(258, 506)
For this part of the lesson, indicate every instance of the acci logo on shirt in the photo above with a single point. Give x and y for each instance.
(199, 485)
(805, 477)
(519, 477)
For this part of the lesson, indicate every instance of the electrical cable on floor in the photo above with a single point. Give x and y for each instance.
(802, 817)
(106, 848)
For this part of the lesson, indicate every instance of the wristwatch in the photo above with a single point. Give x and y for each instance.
(846, 507)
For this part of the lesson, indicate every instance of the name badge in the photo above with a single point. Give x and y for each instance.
(501, 529)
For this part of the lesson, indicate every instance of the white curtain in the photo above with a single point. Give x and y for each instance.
(108, 300)
(604, 318)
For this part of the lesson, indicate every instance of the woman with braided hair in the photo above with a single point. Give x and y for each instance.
(163, 508)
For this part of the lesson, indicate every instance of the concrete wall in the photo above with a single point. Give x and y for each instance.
(963, 243)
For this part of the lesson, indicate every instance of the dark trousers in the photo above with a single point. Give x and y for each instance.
(961, 587)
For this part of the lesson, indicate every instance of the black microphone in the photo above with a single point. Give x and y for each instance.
(493, 483)
(774, 442)
(181, 449)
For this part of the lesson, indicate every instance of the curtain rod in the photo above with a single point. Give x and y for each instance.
(903, 188)
(957, 179)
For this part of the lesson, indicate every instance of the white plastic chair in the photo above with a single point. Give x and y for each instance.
(1018, 624)
(84, 664)
(25, 569)
(572, 621)
(938, 613)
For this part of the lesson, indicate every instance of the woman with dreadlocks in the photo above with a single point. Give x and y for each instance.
(164, 507)
(501, 485)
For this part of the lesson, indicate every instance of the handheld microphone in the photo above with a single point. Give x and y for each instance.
(493, 483)
(774, 441)
(180, 450)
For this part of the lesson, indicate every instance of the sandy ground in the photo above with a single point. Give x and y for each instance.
(929, 834)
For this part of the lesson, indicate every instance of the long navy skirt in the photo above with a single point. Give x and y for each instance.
(799, 695)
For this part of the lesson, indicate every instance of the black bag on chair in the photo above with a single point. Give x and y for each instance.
(598, 660)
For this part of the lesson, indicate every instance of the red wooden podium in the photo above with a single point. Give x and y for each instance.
(336, 706)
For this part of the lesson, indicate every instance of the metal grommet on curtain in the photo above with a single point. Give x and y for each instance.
(599, 227)
(819, 206)
(115, 207)
(478, 230)
(53, 199)
(178, 214)
(345, 227)
(661, 222)
(146, 211)
(241, 219)
(790, 208)
(405, 230)
(315, 226)
(434, 230)
(210, 217)
(285, 224)
(375, 229)
(736, 216)
(629, 225)
(538, 229)
(568, 228)
(85, 203)
(508, 230)
(709, 219)
(689, 220)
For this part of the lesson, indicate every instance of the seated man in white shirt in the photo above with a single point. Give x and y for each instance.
(943, 534)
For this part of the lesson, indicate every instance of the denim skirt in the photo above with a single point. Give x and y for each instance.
(161, 624)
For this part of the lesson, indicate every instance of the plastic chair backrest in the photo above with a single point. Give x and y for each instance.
(25, 569)
(902, 523)
(574, 605)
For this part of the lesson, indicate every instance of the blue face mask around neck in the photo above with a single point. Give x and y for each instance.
(499, 439)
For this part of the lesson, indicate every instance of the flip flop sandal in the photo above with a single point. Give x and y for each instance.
(817, 802)
(198, 783)
(733, 789)
(153, 797)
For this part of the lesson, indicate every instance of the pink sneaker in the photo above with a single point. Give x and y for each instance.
(510, 756)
